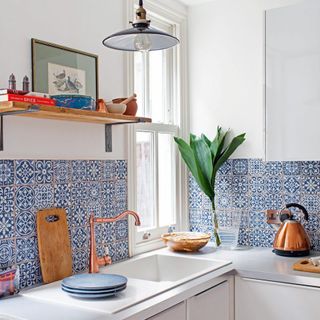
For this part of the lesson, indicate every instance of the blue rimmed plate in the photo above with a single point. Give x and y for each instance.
(92, 295)
(94, 281)
(101, 291)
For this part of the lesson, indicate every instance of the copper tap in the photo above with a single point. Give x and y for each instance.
(96, 262)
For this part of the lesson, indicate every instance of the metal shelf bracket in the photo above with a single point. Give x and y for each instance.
(32, 108)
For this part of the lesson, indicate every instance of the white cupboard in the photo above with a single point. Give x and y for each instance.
(215, 303)
(266, 300)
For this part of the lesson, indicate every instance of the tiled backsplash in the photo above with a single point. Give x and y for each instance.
(79, 186)
(253, 186)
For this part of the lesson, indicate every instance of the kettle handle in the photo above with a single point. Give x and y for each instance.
(299, 206)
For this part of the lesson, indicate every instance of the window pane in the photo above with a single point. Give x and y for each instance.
(166, 179)
(145, 179)
(157, 85)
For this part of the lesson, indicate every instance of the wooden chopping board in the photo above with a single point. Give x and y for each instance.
(54, 245)
(306, 266)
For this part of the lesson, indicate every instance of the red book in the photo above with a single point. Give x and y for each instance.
(27, 99)
(11, 91)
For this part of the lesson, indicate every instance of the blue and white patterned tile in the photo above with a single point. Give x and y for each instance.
(224, 201)
(62, 171)
(105, 233)
(122, 250)
(195, 216)
(292, 197)
(94, 170)
(257, 220)
(291, 184)
(206, 216)
(313, 223)
(94, 207)
(7, 253)
(257, 201)
(30, 273)
(62, 195)
(273, 202)
(240, 166)
(273, 168)
(43, 171)
(257, 184)
(226, 168)
(26, 249)
(7, 199)
(94, 191)
(310, 168)
(195, 199)
(80, 260)
(244, 237)
(291, 168)
(224, 218)
(79, 192)
(108, 169)
(121, 229)
(44, 196)
(256, 167)
(25, 198)
(108, 195)
(240, 184)
(311, 184)
(6, 172)
(25, 223)
(80, 238)
(24, 172)
(223, 184)
(273, 184)
(311, 203)
(6, 225)
(120, 169)
(262, 237)
(121, 190)
(78, 216)
(240, 201)
(78, 170)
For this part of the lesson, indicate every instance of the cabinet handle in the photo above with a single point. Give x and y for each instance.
(217, 285)
(284, 284)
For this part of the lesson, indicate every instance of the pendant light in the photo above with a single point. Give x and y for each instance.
(141, 37)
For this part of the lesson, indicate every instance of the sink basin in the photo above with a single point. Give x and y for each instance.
(160, 267)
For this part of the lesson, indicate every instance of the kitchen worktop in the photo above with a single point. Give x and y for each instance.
(258, 263)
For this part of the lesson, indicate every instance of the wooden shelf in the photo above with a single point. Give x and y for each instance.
(67, 114)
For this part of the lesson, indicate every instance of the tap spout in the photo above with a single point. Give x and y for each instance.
(94, 261)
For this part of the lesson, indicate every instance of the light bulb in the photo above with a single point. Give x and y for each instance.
(142, 42)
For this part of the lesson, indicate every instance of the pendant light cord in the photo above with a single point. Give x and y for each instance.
(141, 3)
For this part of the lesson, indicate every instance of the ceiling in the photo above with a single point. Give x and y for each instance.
(193, 2)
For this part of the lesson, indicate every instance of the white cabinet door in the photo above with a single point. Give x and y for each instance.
(212, 304)
(266, 300)
(177, 312)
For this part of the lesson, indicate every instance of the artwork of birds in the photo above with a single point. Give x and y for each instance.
(67, 84)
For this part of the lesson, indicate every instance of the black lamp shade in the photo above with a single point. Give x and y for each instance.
(126, 39)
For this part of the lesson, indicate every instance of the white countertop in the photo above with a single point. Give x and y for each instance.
(258, 263)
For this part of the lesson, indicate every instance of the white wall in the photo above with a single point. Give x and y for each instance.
(80, 24)
(226, 61)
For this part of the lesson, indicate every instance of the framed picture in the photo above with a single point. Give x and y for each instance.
(61, 70)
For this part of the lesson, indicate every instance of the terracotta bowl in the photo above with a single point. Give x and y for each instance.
(185, 241)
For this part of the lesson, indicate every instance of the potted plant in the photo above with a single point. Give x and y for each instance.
(204, 158)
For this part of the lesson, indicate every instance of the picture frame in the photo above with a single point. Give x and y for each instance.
(62, 70)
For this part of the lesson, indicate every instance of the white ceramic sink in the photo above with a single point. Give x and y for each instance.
(160, 268)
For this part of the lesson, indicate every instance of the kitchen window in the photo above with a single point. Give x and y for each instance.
(154, 165)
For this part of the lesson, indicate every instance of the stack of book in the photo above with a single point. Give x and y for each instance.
(26, 97)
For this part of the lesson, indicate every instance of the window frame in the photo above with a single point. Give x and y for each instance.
(180, 118)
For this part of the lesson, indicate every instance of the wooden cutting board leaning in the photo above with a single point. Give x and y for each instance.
(54, 244)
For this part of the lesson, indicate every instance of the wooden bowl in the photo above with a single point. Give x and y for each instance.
(185, 241)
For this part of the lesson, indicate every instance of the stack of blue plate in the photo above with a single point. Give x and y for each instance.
(94, 285)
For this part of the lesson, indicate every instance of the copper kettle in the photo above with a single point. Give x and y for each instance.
(291, 239)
